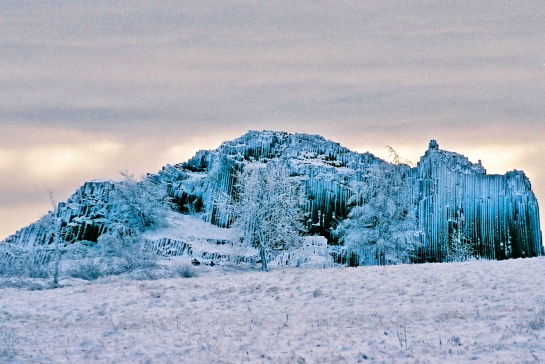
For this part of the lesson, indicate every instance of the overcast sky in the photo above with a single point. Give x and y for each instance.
(91, 88)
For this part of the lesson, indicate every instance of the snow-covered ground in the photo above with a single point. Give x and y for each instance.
(481, 311)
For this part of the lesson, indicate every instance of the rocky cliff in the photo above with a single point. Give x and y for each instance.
(498, 213)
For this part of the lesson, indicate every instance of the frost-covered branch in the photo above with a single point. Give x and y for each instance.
(266, 207)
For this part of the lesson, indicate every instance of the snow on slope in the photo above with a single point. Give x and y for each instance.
(480, 311)
(202, 236)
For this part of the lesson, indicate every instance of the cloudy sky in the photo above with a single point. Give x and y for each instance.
(91, 88)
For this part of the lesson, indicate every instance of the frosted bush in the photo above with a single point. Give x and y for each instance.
(114, 254)
(88, 269)
(185, 271)
(126, 252)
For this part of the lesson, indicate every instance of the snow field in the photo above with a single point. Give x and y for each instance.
(479, 311)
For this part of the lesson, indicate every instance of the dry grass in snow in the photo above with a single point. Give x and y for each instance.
(482, 311)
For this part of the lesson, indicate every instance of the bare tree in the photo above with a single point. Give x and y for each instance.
(396, 159)
(266, 206)
(56, 233)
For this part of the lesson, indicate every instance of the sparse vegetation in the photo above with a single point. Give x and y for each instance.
(537, 322)
(8, 344)
(185, 271)
(114, 254)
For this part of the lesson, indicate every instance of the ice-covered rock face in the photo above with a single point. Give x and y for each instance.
(497, 213)
(84, 216)
(325, 167)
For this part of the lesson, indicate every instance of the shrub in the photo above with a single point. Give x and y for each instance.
(21, 283)
(37, 265)
(115, 253)
(126, 252)
(88, 269)
(185, 271)
(538, 321)
(8, 345)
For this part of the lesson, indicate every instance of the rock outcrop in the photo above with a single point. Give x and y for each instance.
(499, 214)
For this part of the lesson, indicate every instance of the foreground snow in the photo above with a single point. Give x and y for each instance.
(486, 311)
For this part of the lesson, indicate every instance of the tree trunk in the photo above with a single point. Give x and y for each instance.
(263, 259)
(57, 261)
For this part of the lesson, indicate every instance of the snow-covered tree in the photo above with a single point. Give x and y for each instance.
(266, 207)
(140, 204)
(460, 248)
(381, 228)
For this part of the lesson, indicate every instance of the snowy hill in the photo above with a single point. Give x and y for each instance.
(498, 213)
